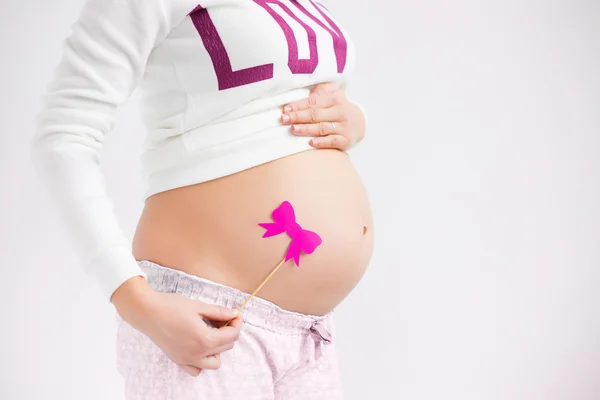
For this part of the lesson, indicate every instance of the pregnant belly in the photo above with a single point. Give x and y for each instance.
(211, 230)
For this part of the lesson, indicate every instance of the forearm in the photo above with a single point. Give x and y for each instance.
(103, 59)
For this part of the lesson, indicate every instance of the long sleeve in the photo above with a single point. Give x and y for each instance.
(104, 58)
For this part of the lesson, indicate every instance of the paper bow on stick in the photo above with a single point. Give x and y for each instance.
(303, 240)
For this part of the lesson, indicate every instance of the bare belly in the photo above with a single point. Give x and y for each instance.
(211, 230)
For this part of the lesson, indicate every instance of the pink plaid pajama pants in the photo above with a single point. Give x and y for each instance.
(280, 355)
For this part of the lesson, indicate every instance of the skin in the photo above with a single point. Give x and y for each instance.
(313, 116)
(210, 230)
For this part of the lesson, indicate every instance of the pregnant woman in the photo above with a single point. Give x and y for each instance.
(245, 108)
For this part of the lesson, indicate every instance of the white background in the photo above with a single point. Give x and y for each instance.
(482, 164)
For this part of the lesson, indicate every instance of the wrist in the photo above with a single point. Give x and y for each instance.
(359, 122)
(133, 299)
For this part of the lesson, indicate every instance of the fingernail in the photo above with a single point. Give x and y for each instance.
(287, 109)
(314, 141)
(295, 128)
(234, 312)
(285, 118)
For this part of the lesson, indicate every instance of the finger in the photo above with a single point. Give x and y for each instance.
(339, 142)
(222, 349)
(223, 336)
(208, 362)
(320, 129)
(216, 313)
(221, 324)
(236, 323)
(191, 370)
(315, 115)
(313, 100)
(199, 356)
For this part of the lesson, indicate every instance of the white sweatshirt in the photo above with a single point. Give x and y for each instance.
(212, 81)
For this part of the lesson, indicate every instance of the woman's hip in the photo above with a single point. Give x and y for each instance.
(277, 350)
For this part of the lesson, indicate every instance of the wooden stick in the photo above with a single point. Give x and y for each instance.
(240, 308)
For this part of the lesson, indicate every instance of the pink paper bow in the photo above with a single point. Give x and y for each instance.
(302, 239)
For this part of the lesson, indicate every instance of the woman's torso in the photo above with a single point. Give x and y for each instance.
(211, 230)
(218, 161)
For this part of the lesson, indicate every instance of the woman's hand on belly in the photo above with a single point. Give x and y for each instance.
(328, 117)
(176, 324)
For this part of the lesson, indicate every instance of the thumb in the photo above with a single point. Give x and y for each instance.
(324, 88)
(216, 313)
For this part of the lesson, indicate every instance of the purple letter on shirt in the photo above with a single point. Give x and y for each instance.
(226, 77)
(296, 65)
(340, 46)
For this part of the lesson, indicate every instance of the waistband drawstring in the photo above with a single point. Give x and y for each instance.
(319, 331)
